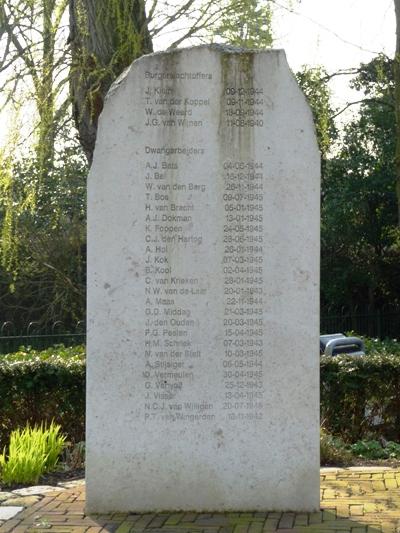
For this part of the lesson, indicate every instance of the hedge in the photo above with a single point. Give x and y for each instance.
(360, 397)
(43, 386)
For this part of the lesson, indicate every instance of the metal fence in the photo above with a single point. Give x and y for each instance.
(380, 324)
(40, 337)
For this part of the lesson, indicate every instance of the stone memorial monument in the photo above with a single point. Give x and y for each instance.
(203, 288)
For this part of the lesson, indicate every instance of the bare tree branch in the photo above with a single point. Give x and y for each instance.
(173, 18)
(364, 101)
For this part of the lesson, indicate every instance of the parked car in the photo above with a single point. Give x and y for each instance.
(338, 343)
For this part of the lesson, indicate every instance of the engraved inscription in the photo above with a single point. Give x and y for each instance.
(174, 206)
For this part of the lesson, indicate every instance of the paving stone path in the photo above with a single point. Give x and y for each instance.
(354, 500)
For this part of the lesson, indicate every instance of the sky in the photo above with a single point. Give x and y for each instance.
(337, 34)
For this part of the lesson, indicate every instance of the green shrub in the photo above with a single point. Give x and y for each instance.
(43, 386)
(32, 452)
(60, 351)
(360, 396)
(381, 347)
(333, 450)
(373, 449)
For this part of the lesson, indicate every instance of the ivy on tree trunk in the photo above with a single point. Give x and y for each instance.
(105, 37)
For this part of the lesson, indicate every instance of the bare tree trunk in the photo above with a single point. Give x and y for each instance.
(105, 36)
(45, 96)
(397, 104)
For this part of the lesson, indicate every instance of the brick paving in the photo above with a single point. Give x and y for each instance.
(362, 500)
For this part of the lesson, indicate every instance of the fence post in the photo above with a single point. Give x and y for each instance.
(379, 324)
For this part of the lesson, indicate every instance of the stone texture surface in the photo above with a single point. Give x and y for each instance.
(35, 490)
(6, 496)
(21, 500)
(350, 503)
(203, 268)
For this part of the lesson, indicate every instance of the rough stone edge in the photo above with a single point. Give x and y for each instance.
(38, 490)
(216, 47)
(47, 489)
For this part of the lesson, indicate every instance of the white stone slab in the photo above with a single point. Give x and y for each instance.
(6, 513)
(203, 288)
(36, 490)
